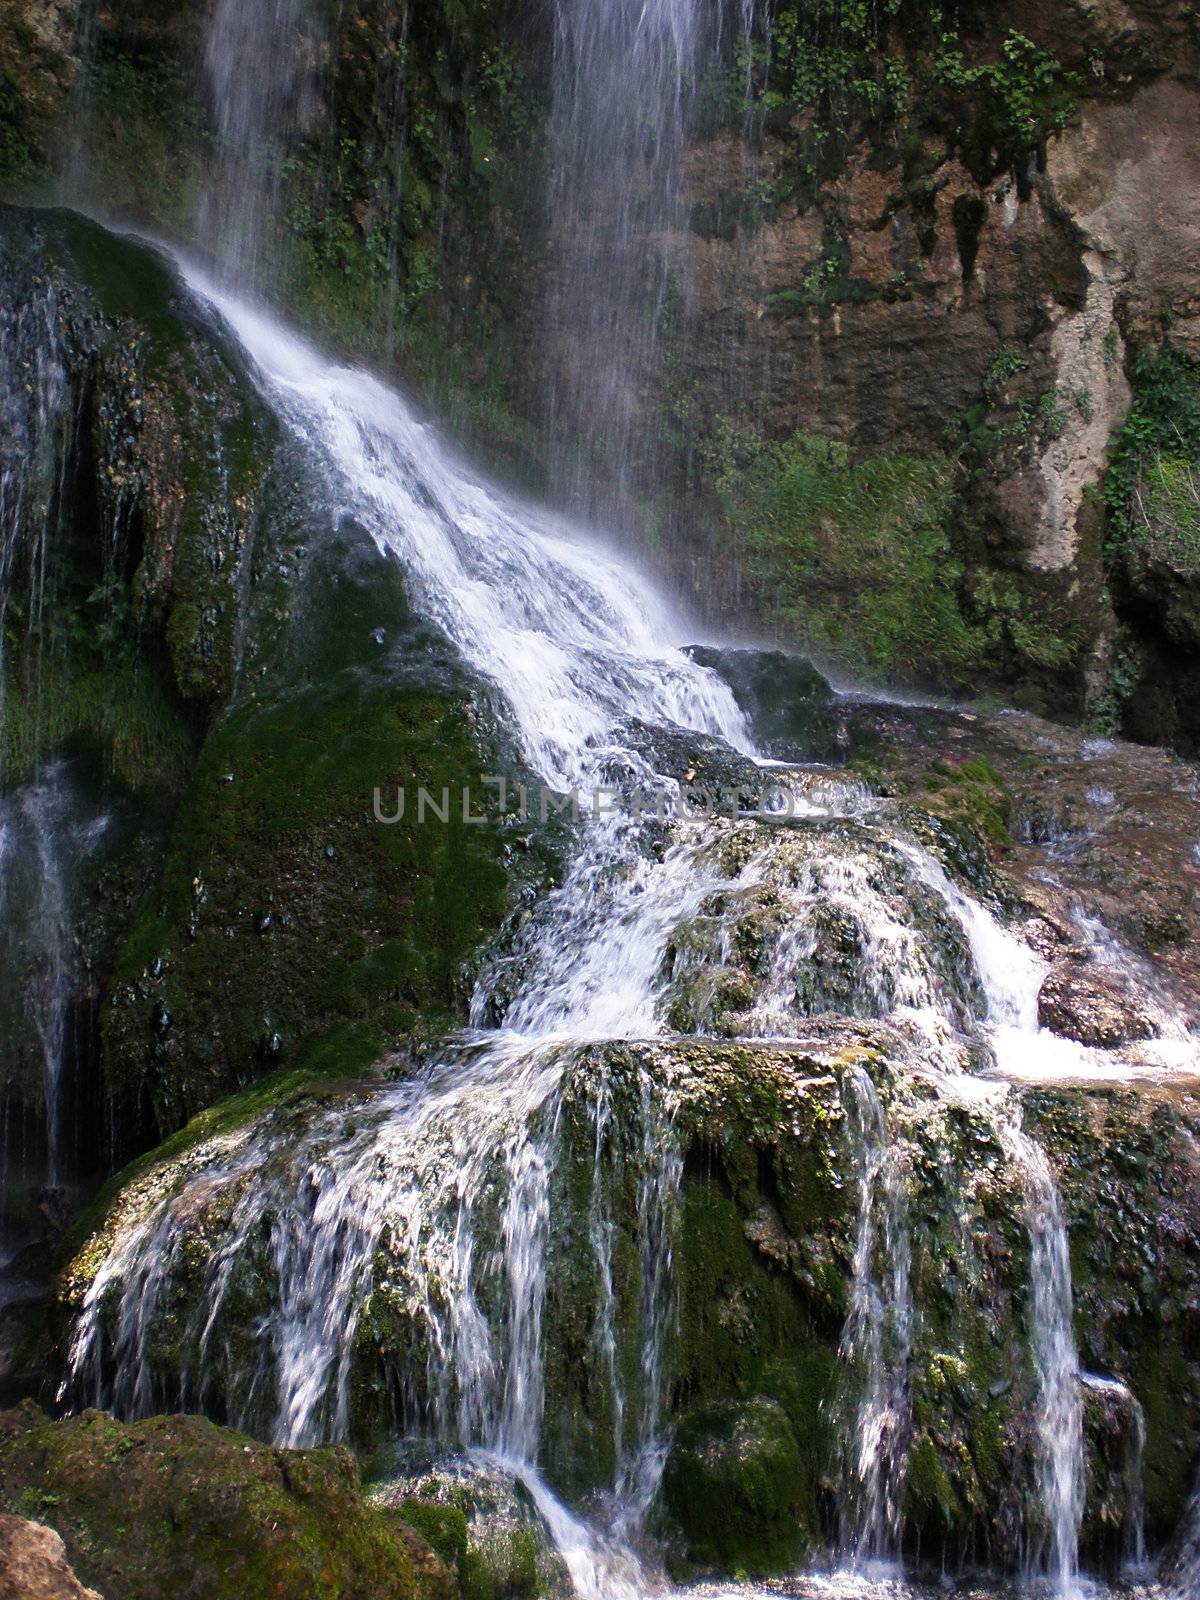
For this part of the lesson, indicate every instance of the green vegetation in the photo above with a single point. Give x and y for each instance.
(286, 909)
(118, 708)
(16, 157)
(856, 556)
(1153, 483)
(996, 112)
(504, 1566)
(896, 70)
(138, 1505)
(852, 556)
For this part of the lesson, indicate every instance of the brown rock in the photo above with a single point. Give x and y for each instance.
(33, 1564)
(1087, 1005)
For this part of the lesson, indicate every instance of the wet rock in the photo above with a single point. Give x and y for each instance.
(1086, 1004)
(34, 1566)
(142, 1507)
(783, 698)
(480, 1520)
(1125, 873)
(738, 1488)
(763, 1263)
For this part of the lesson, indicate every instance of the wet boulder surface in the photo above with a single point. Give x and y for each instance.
(1091, 843)
(176, 1504)
(196, 733)
(775, 1241)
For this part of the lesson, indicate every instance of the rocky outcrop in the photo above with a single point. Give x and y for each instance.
(186, 551)
(140, 1509)
(33, 1564)
(917, 284)
(762, 1387)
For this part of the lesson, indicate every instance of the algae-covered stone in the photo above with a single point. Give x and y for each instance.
(784, 699)
(1129, 1172)
(737, 1485)
(479, 1519)
(244, 659)
(705, 1205)
(176, 1501)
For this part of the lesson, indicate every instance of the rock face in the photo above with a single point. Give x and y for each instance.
(950, 250)
(33, 1564)
(914, 284)
(139, 1508)
(761, 1385)
(241, 755)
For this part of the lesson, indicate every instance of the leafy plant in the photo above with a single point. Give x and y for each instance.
(851, 556)
(1151, 487)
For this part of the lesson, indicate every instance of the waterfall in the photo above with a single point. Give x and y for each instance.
(33, 837)
(47, 826)
(623, 74)
(1133, 1473)
(877, 1339)
(260, 61)
(435, 1194)
(1060, 1408)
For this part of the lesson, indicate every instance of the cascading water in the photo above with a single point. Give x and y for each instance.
(577, 647)
(440, 1188)
(40, 830)
(48, 826)
(261, 63)
(877, 1340)
(623, 74)
(1060, 1462)
(436, 1193)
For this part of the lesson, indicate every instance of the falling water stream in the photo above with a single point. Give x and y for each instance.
(578, 645)
(623, 74)
(448, 1175)
(48, 822)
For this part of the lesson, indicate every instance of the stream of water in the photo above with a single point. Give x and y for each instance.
(450, 1173)
(623, 74)
(577, 644)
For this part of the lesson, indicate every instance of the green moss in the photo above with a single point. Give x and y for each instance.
(974, 806)
(850, 557)
(120, 710)
(16, 151)
(740, 1488)
(443, 1527)
(138, 1505)
(342, 1054)
(1151, 484)
(930, 1496)
(286, 907)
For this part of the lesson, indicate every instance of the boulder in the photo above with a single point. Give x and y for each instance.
(148, 1508)
(34, 1566)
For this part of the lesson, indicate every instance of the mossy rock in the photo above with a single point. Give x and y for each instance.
(248, 658)
(480, 1520)
(783, 698)
(737, 1485)
(172, 1504)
